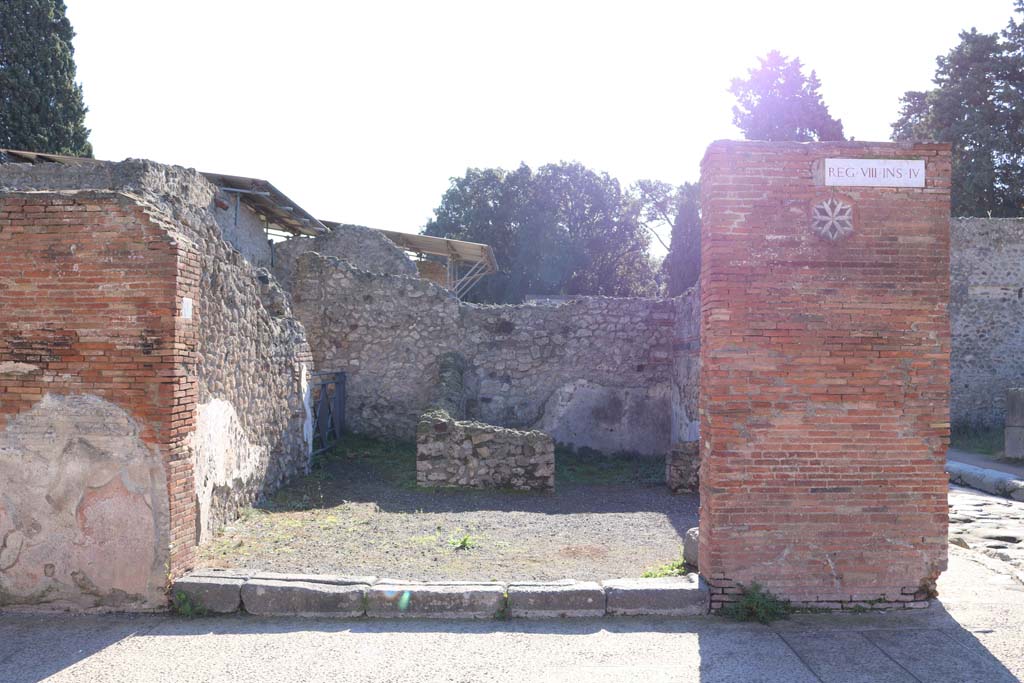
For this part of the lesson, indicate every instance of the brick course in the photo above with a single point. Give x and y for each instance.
(90, 286)
(824, 385)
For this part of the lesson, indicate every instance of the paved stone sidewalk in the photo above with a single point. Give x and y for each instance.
(973, 635)
(986, 523)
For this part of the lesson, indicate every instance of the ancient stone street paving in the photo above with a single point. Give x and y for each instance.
(988, 524)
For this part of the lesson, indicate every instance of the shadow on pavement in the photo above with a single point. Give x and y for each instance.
(926, 645)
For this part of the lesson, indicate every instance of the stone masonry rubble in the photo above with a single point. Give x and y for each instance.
(477, 455)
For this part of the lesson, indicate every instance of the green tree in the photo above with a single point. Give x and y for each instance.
(978, 106)
(563, 229)
(778, 102)
(679, 207)
(41, 107)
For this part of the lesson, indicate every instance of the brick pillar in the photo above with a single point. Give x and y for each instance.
(824, 372)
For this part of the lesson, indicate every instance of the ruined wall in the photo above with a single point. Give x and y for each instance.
(475, 455)
(824, 376)
(212, 375)
(91, 368)
(987, 316)
(364, 248)
(594, 371)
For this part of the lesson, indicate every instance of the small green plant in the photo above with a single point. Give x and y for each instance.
(677, 568)
(183, 605)
(756, 604)
(464, 542)
(502, 612)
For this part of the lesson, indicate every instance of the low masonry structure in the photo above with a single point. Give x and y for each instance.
(682, 467)
(477, 455)
(825, 371)
(1013, 431)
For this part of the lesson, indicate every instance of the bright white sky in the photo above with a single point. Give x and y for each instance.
(361, 111)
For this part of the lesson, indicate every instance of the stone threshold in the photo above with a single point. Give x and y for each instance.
(323, 595)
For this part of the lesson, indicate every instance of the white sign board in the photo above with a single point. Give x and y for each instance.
(875, 172)
(186, 308)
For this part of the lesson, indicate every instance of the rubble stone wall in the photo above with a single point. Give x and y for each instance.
(476, 455)
(363, 247)
(987, 316)
(593, 372)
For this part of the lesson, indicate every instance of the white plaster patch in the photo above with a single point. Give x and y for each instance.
(14, 368)
(610, 419)
(306, 390)
(223, 457)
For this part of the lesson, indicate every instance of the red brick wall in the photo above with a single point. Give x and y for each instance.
(824, 378)
(90, 291)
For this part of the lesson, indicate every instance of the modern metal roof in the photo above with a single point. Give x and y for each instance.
(260, 195)
(281, 212)
(459, 250)
(267, 200)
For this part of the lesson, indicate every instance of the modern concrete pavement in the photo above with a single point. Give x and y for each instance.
(973, 634)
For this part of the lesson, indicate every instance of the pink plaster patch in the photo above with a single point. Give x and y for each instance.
(119, 538)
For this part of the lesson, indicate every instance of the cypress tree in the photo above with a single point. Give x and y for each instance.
(41, 106)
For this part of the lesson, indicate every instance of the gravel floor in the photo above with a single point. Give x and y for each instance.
(360, 513)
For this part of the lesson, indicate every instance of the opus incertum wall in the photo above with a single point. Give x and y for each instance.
(825, 349)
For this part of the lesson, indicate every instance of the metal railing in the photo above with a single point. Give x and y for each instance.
(328, 409)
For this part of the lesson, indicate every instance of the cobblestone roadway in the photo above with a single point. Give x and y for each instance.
(988, 524)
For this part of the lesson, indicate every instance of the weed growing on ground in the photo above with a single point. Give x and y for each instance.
(757, 604)
(676, 568)
(183, 605)
(464, 542)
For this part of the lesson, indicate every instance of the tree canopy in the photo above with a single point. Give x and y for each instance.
(563, 229)
(778, 102)
(41, 106)
(978, 106)
(679, 207)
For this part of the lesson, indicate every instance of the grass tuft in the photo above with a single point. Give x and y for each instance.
(757, 604)
(464, 542)
(184, 606)
(676, 568)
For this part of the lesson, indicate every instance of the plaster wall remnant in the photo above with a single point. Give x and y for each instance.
(100, 262)
(363, 247)
(986, 311)
(592, 371)
(477, 455)
(824, 377)
(83, 508)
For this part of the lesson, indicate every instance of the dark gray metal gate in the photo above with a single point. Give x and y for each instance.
(328, 409)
